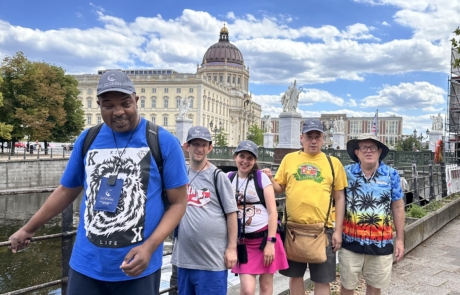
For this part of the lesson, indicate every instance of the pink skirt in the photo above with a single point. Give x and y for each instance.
(255, 265)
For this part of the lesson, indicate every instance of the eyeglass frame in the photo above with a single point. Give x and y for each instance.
(367, 148)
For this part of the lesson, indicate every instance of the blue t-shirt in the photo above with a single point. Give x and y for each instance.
(104, 238)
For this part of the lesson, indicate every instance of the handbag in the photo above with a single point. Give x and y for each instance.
(307, 243)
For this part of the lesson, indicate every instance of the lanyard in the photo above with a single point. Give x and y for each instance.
(244, 200)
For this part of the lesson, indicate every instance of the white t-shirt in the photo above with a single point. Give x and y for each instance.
(256, 214)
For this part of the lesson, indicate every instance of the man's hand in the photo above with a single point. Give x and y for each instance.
(136, 261)
(336, 241)
(399, 249)
(20, 240)
(230, 257)
(268, 172)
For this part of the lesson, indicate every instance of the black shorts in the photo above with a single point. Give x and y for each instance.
(80, 284)
(323, 273)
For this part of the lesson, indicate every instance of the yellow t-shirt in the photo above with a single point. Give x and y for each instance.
(308, 181)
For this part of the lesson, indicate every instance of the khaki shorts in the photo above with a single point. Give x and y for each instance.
(376, 269)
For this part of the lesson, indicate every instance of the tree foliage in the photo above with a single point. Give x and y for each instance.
(456, 47)
(5, 129)
(40, 101)
(407, 144)
(256, 134)
(221, 138)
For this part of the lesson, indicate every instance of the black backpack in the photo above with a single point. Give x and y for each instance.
(152, 135)
(258, 181)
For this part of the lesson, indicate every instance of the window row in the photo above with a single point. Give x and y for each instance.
(89, 91)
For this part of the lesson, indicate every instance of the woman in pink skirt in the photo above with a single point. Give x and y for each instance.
(258, 220)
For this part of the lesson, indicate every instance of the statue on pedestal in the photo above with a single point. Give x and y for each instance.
(183, 109)
(437, 122)
(268, 124)
(291, 97)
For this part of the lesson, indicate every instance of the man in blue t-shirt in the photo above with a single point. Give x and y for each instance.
(123, 223)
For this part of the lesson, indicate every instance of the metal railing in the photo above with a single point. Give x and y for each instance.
(23, 153)
(66, 236)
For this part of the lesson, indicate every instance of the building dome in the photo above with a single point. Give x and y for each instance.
(223, 51)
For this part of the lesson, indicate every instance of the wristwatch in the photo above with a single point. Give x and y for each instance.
(271, 239)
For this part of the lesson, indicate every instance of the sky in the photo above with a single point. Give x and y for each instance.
(349, 56)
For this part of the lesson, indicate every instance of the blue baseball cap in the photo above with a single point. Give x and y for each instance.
(115, 81)
(312, 125)
(247, 145)
(199, 132)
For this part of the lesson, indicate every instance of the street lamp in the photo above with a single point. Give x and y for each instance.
(421, 136)
(215, 130)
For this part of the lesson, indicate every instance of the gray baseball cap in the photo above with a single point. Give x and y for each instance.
(115, 81)
(312, 125)
(247, 145)
(199, 132)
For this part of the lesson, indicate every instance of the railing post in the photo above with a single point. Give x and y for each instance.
(66, 248)
(24, 153)
(173, 279)
(443, 180)
(415, 182)
(51, 153)
(430, 178)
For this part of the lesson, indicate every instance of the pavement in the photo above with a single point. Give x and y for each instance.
(433, 267)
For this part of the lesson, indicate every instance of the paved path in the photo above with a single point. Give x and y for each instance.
(433, 267)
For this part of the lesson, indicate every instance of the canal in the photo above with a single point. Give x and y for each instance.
(41, 261)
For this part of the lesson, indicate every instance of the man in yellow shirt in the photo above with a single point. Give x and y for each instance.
(306, 176)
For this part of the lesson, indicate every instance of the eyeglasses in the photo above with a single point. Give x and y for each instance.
(311, 138)
(364, 149)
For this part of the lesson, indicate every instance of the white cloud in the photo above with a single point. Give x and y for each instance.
(311, 96)
(384, 23)
(406, 96)
(97, 8)
(275, 50)
(78, 14)
(352, 102)
(231, 15)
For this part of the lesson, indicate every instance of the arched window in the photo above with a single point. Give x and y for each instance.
(154, 102)
(166, 103)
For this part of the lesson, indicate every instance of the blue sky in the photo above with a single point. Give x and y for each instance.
(350, 57)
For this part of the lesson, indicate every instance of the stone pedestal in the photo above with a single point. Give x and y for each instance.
(338, 140)
(289, 131)
(268, 140)
(435, 135)
(182, 127)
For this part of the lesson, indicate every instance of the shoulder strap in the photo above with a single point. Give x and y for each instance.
(153, 140)
(89, 139)
(216, 174)
(258, 184)
(231, 175)
(332, 190)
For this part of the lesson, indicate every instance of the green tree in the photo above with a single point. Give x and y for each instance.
(456, 47)
(256, 134)
(221, 138)
(407, 144)
(5, 129)
(40, 101)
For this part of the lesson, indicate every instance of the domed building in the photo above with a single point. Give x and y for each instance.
(218, 93)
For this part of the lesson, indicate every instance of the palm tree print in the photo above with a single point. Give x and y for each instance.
(369, 220)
